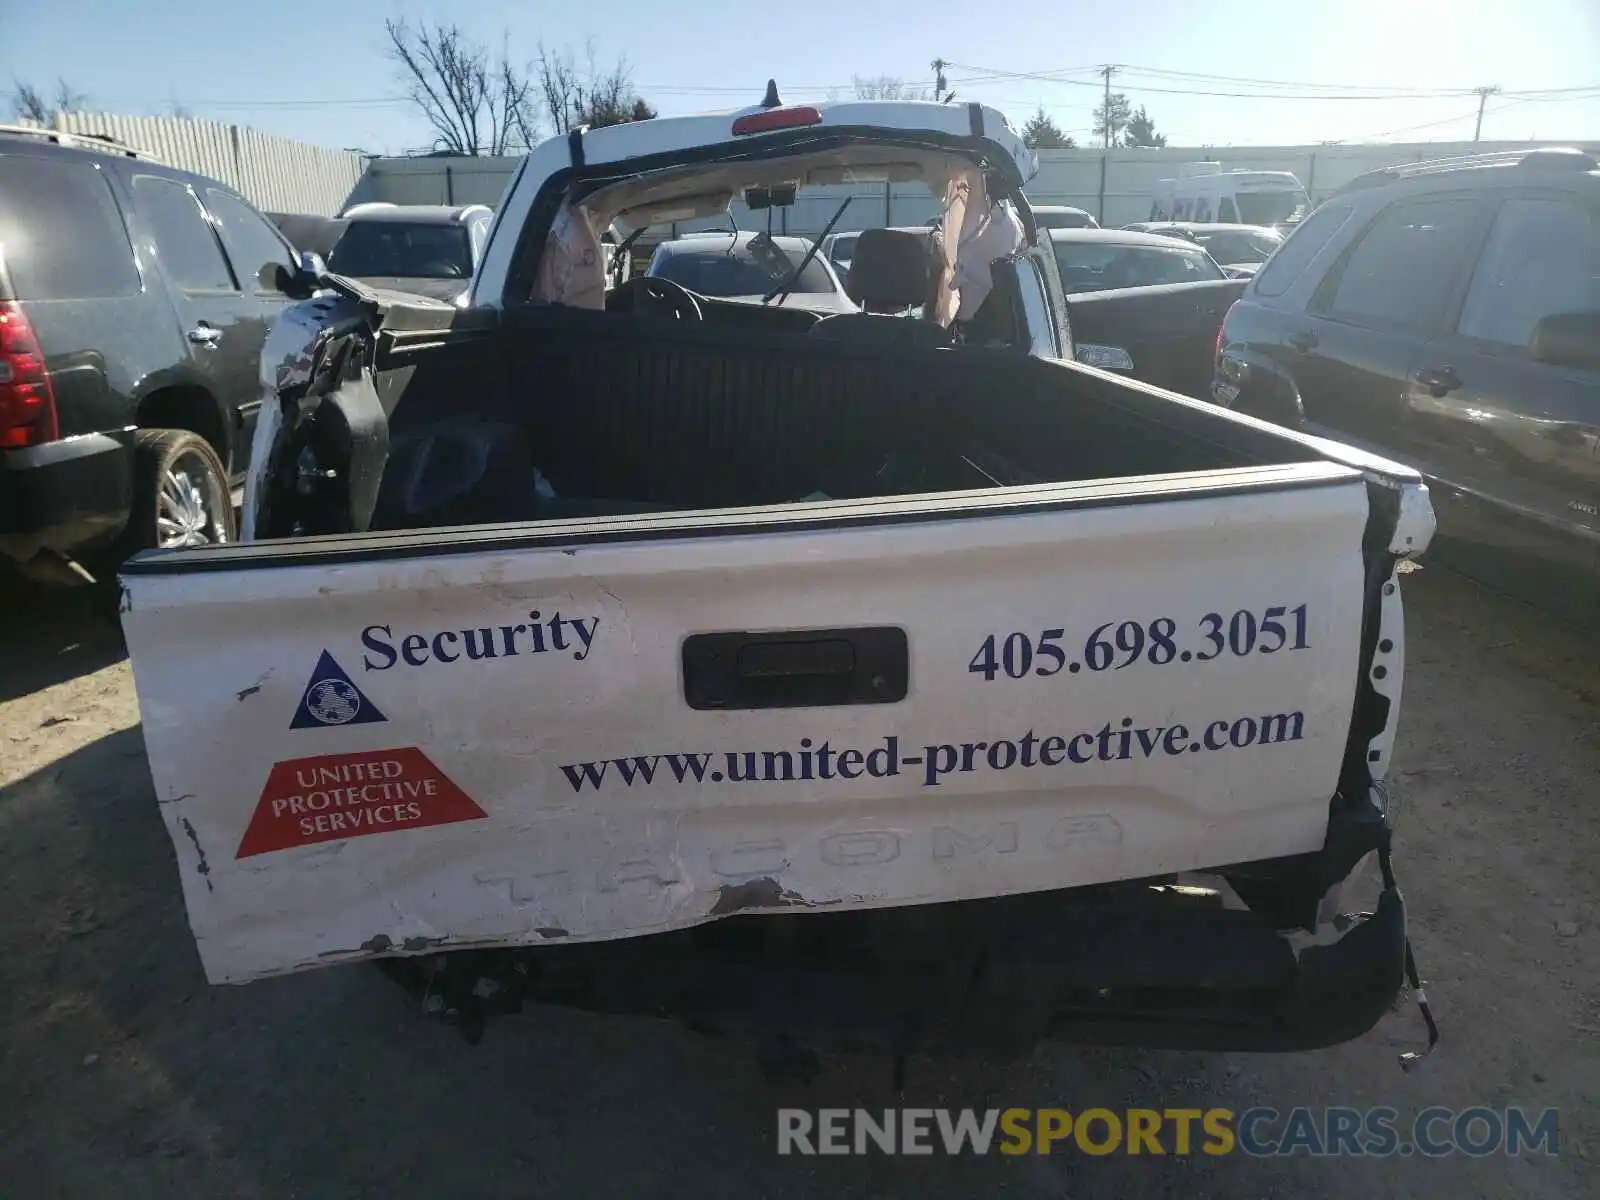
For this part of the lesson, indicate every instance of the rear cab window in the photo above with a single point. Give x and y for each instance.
(185, 241)
(61, 231)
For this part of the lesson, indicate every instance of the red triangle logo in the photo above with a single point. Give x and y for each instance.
(336, 796)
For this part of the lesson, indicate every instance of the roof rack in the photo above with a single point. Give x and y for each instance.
(1559, 158)
(88, 141)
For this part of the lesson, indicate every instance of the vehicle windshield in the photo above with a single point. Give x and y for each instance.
(369, 249)
(1271, 208)
(1238, 245)
(712, 271)
(1100, 266)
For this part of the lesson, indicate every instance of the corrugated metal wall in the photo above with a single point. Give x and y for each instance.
(275, 174)
(1115, 185)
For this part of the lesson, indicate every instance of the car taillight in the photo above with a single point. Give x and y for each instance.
(793, 117)
(1216, 353)
(27, 405)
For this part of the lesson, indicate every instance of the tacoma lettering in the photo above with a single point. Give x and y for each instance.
(537, 635)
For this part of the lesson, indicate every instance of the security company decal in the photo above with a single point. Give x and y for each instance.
(332, 698)
(336, 796)
(539, 633)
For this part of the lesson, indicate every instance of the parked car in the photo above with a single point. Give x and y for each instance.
(1096, 260)
(658, 652)
(1449, 314)
(308, 232)
(1238, 249)
(1060, 216)
(839, 248)
(746, 266)
(1143, 305)
(427, 249)
(134, 300)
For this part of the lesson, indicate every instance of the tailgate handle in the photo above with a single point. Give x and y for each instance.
(802, 668)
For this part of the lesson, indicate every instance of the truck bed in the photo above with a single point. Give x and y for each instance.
(650, 627)
(565, 414)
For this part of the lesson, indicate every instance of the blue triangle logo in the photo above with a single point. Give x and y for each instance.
(331, 698)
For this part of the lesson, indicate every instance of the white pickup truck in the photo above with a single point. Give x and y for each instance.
(873, 680)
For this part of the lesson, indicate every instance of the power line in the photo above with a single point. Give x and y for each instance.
(1305, 85)
(1308, 91)
(1456, 120)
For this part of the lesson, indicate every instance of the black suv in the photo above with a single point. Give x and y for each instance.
(132, 315)
(1448, 314)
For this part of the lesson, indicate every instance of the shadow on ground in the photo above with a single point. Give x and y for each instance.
(51, 635)
(127, 1075)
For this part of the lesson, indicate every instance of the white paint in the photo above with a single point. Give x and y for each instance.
(549, 862)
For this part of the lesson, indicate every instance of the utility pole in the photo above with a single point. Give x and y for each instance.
(1483, 96)
(1105, 113)
(939, 83)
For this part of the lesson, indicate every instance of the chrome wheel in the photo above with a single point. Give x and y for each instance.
(189, 505)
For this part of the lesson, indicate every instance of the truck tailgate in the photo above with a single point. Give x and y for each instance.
(599, 729)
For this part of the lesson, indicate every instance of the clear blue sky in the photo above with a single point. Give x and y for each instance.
(320, 72)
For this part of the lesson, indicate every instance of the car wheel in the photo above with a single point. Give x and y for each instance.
(181, 496)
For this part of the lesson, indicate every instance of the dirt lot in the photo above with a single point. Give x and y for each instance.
(126, 1075)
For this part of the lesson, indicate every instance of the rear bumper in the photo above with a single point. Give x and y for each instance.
(1124, 965)
(65, 496)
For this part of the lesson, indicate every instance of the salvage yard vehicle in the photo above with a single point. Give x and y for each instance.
(1237, 249)
(1203, 192)
(132, 315)
(1448, 313)
(429, 249)
(874, 680)
(733, 265)
(1145, 306)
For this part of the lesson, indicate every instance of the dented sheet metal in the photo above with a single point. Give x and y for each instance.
(397, 754)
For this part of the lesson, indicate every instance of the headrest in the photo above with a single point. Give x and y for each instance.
(889, 270)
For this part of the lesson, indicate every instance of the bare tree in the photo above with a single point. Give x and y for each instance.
(888, 87)
(28, 101)
(477, 104)
(572, 96)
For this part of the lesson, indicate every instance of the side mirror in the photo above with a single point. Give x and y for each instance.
(299, 284)
(1570, 339)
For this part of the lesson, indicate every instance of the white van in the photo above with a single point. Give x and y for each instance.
(1204, 192)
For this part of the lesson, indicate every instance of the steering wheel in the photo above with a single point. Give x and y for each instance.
(656, 296)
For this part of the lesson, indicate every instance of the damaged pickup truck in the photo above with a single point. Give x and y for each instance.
(877, 680)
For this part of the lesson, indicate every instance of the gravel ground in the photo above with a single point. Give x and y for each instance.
(127, 1075)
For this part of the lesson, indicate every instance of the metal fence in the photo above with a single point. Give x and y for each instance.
(1115, 185)
(276, 174)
